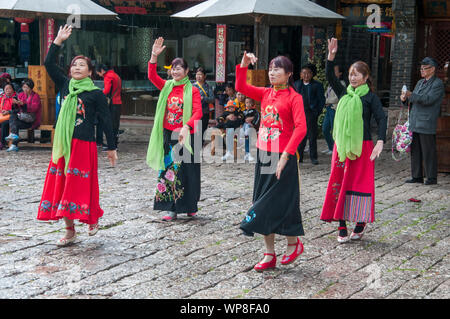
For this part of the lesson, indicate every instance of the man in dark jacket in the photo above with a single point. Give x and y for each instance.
(313, 101)
(425, 102)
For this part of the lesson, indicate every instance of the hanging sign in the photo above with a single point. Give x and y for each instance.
(221, 56)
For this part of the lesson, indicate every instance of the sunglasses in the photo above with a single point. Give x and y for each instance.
(425, 68)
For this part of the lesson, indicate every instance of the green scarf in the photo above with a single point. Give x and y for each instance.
(155, 152)
(66, 119)
(348, 127)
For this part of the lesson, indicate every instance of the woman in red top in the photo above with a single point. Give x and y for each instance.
(28, 103)
(8, 101)
(177, 113)
(276, 197)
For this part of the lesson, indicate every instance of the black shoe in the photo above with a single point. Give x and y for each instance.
(431, 181)
(414, 180)
(314, 161)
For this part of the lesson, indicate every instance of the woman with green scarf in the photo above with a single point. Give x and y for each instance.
(178, 113)
(71, 188)
(350, 194)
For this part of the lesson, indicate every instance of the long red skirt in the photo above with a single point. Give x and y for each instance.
(351, 189)
(76, 194)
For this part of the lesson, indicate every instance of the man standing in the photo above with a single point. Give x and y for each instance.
(425, 105)
(313, 100)
(112, 89)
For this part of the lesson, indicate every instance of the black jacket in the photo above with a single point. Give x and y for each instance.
(371, 105)
(316, 95)
(89, 103)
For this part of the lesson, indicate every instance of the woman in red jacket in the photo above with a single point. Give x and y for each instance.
(178, 111)
(276, 196)
(26, 115)
(8, 100)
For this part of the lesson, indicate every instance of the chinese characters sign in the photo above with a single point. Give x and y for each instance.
(221, 56)
(49, 33)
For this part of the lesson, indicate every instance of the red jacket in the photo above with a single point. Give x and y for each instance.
(283, 122)
(6, 103)
(33, 103)
(113, 86)
(173, 120)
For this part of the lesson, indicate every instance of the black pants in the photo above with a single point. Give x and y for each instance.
(115, 110)
(15, 125)
(205, 122)
(311, 135)
(5, 131)
(423, 150)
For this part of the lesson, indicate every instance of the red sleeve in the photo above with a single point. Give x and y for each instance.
(108, 85)
(197, 113)
(35, 104)
(154, 77)
(298, 115)
(251, 91)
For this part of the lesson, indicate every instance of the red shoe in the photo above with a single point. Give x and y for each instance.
(192, 214)
(259, 267)
(286, 260)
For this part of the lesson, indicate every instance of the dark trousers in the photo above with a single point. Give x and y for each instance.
(115, 110)
(15, 125)
(327, 127)
(311, 135)
(423, 150)
(5, 131)
(205, 122)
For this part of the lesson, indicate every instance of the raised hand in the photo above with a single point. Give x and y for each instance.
(158, 46)
(63, 34)
(247, 59)
(332, 48)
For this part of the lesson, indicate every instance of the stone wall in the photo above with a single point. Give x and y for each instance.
(404, 47)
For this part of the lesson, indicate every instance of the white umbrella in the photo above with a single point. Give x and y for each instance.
(257, 12)
(57, 9)
(270, 12)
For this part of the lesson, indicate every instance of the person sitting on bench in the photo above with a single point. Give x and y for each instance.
(25, 114)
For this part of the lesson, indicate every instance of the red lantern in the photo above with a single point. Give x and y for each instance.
(24, 27)
(23, 20)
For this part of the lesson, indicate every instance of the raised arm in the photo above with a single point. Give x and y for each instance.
(57, 75)
(334, 82)
(241, 85)
(153, 76)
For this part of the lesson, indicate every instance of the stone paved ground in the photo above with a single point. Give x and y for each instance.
(404, 254)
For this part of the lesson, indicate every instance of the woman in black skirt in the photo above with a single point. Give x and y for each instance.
(178, 112)
(276, 196)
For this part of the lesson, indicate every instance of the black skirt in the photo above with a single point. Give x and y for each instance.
(178, 187)
(276, 203)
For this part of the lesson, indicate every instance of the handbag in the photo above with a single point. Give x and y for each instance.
(26, 117)
(401, 138)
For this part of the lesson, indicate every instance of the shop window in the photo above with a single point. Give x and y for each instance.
(7, 43)
(199, 51)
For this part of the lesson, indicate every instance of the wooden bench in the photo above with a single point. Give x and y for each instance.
(30, 141)
(222, 134)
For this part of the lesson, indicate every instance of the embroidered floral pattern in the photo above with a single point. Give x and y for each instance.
(271, 124)
(83, 209)
(250, 216)
(77, 172)
(169, 187)
(81, 113)
(175, 110)
(55, 171)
